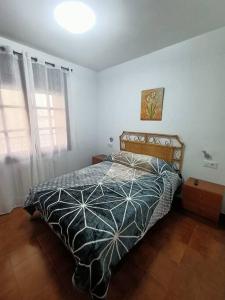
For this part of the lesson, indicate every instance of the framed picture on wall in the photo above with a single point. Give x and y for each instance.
(152, 104)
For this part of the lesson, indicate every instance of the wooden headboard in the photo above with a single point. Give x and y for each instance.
(165, 146)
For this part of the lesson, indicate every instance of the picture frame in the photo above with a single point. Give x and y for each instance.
(152, 104)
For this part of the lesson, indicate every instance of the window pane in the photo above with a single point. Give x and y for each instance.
(41, 100)
(43, 118)
(16, 118)
(58, 118)
(42, 113)
(18, 141)
(12, 97)
(3, 148)
(60, 138)
(45, 138)
(56, 101)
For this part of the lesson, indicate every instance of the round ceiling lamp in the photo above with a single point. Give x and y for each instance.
(74, 16)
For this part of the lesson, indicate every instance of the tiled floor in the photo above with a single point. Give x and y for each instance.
(180, 258)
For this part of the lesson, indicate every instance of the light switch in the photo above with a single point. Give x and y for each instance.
(210, 164)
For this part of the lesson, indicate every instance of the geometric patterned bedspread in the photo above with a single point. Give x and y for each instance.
(101, 212)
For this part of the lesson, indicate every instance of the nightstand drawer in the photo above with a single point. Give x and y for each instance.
(211, 199)
(203, 199)
(191, 200)
(210, 205)
(202, 203)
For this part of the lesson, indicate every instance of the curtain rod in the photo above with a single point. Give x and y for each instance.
(35, 59)
(46, 62)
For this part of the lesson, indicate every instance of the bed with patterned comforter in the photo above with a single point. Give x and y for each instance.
(102, 211)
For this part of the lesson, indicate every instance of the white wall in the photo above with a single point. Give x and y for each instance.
(193, 75)
(82, 108)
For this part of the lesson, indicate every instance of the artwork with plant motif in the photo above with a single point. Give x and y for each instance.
(152, 104)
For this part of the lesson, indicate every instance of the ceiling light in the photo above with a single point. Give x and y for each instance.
(74, 16)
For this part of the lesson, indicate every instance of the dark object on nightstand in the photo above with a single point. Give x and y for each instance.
(204, 199)
(98, 158)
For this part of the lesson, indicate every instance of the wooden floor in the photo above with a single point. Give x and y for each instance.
(180, 258)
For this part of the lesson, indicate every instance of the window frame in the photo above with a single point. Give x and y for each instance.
(29, 108)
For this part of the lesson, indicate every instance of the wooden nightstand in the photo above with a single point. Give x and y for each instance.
(98, 158)
(204, 199)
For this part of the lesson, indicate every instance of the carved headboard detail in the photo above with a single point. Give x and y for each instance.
(165, 146)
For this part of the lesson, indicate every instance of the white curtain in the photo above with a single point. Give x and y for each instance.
(34, 125)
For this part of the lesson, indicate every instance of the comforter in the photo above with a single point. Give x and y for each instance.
(102, 211)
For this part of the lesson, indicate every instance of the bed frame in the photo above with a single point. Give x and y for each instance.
(165, 146)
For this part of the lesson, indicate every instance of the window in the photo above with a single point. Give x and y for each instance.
(50, 107)
(43, 122)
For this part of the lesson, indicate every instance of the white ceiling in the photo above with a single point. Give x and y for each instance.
(125, 29)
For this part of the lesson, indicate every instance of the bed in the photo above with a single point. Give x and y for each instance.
(101, 212)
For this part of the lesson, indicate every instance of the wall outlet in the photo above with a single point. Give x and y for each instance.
(210, 164)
